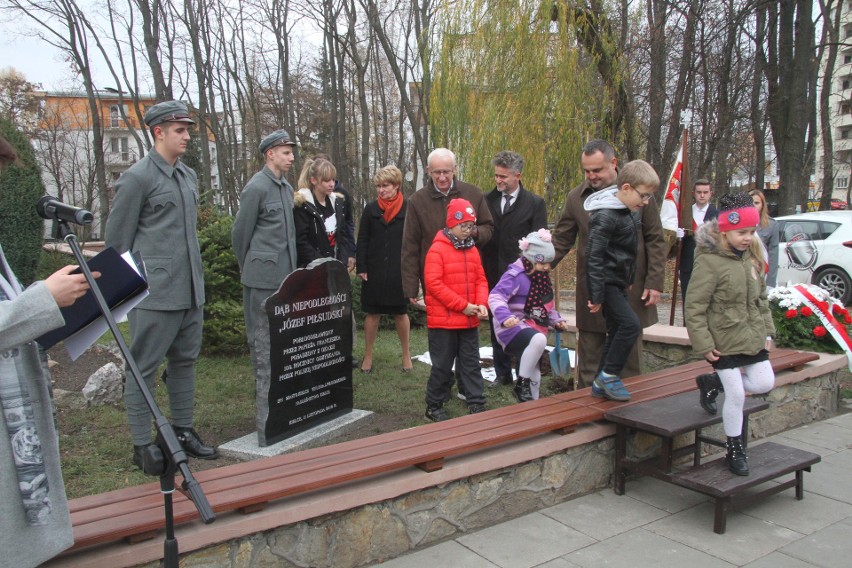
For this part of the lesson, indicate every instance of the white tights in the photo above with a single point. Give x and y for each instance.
(528, 366)
(753, 379)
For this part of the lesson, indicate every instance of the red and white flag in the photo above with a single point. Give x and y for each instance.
(670, 209)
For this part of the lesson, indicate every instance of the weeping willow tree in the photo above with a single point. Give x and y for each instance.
(507, 77)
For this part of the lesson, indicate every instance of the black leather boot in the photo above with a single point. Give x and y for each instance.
(736, 456)
(193, 446)
(139, 457)
(710, 386)
(522, 390)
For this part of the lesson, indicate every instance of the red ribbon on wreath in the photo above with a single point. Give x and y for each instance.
(823, 312)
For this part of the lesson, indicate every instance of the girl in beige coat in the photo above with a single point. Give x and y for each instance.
(728, 318)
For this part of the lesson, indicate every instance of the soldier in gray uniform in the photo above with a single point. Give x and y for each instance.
(155, 212)
(264, 236)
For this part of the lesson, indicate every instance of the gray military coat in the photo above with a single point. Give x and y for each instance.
(264, 235)
(155, 212)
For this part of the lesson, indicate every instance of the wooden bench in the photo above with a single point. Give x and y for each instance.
(671, 417)
(767, 461)
(136, 513)
(667, 418)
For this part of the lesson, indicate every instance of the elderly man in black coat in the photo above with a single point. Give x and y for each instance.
(516, 213)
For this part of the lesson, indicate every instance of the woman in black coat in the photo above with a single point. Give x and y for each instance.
(318, 214)
(379, 264)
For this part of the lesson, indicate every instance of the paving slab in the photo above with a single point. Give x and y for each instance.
(830, 547)
(449, 553)
(745, 540)
(800, 445)
(525, 542)
(641, 548)
(821, 434)
(604, 514)
(809, 515)
(662, 495)
(830, 477)
(843, 420)
(558, 563)
(779, 560)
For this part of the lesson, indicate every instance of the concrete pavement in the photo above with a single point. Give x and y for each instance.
(659, 525)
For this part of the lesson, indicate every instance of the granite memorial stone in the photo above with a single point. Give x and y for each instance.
(304, 352)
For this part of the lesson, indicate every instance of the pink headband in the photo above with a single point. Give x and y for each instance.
(742, 218)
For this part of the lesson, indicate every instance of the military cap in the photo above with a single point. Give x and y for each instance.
(168, 111)
(277, 138)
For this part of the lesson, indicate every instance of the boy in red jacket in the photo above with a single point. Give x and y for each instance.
(456, 296)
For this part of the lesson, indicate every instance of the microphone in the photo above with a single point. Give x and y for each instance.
(48, 207)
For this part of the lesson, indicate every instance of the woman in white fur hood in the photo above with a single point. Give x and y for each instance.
(319, 214)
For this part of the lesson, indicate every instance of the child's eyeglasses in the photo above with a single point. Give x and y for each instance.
(646, 197)
(466, 227)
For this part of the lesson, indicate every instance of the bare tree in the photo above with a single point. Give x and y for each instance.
(62, 24)
(831, 43)
(417, 29)
(68, 160)
(787, 57)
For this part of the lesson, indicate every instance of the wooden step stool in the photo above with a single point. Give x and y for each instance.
(675, 415)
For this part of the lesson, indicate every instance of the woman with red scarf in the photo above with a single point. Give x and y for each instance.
(378, 263)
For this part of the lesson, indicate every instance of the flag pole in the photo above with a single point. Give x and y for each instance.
(684, 216)
(675, 281)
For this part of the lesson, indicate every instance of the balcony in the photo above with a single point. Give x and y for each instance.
(842, 122)
(114, 123)
(120, 159)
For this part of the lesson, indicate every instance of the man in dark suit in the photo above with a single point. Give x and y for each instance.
(516, 213)
(702, 211)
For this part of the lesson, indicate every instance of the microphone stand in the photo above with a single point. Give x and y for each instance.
(166, 455)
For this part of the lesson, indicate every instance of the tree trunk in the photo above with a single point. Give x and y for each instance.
(788, 72)
(656, 14)
(831, 41)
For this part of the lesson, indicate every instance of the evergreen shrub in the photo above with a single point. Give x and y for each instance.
(224, 326)
(21, 229)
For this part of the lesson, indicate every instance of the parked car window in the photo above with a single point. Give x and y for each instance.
(793, 229)
(828, 228)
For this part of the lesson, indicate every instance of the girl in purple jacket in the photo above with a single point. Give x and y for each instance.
(524, 308)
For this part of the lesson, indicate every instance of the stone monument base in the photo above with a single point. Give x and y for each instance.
(247, 448)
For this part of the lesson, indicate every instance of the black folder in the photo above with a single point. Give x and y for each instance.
(118, 283)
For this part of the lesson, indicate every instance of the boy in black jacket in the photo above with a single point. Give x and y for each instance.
(611, 265)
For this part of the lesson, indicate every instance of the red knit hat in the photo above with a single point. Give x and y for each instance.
(737, 211)
(458, 212)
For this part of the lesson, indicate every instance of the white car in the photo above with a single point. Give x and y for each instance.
(816, 248)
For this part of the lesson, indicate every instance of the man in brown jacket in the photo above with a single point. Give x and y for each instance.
(427, 214)
(600, 169)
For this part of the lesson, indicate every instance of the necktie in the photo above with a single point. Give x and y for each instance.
(507, 204)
